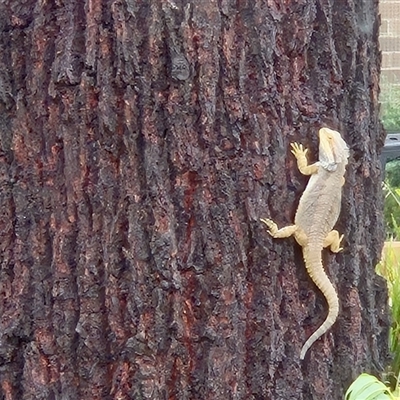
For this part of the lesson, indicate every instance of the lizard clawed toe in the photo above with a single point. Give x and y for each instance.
(340, 242)
(272, 227)
(298, 150)
(337, 248)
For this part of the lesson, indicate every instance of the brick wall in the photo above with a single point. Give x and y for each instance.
(390, 40)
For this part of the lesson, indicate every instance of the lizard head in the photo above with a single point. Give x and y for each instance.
(333, 149)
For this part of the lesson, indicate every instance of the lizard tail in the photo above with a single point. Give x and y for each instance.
(315, 269)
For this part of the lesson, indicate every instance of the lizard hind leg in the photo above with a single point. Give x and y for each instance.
(333, 240)
(279, 233)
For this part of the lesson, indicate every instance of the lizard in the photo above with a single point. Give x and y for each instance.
(316, 215)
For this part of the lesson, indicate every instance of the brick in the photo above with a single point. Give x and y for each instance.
(395, 59)
(384, 28)
(394, 27)
(387, 60)
(389, 9)
(389, 44)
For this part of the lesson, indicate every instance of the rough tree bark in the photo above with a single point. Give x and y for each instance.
(141, 141)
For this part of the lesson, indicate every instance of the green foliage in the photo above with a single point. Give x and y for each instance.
(389, 269)
(390, 100)
(393, 173)
(367, 387)
(392, 210)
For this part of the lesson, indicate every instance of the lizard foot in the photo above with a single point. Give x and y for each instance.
(272, 227)
(298, 150)
(333, 241)
(338, 248)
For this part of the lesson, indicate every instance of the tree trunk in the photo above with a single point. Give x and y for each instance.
(141, 141)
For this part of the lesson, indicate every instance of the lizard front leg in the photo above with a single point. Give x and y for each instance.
(300, 153)
(333, 240)
(279, 233)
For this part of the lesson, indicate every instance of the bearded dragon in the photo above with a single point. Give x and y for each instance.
(317, 213)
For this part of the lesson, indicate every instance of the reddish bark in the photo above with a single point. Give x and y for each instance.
(141, 141)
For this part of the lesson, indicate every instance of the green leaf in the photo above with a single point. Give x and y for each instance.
(368, 387)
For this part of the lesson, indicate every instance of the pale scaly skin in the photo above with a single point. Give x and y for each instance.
(316, 215)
